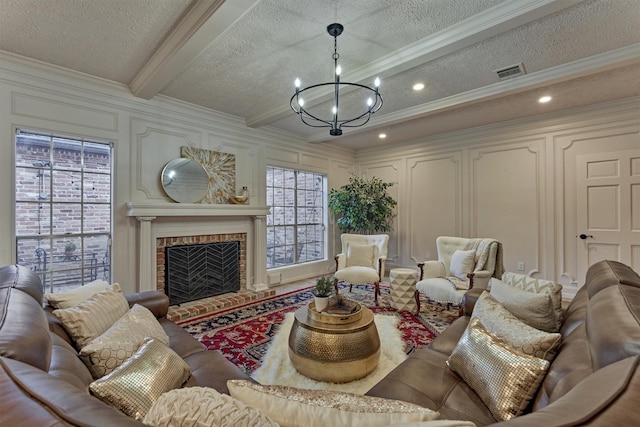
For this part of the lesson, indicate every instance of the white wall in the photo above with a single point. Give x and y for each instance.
(514, 182)
(147, 134)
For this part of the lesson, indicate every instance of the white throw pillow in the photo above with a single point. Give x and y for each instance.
(538, 286)
(90, 318)
(203, 407)
(535, 310)
(462, 263)
(522, 337)
(290, 406)
(76, 295)
(361, 255)
(109, 350)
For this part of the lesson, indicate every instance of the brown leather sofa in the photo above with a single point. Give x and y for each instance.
(594, 379)
(44, 383)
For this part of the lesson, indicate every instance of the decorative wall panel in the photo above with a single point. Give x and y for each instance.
(221, 168)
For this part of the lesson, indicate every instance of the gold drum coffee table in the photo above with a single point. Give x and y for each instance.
(335, 348)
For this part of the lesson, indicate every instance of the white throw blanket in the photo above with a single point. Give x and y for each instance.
(277, 369)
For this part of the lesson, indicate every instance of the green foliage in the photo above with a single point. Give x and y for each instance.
(364, 204)
(324, 286)
(70, 247)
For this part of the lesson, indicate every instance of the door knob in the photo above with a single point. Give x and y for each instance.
(585, 236)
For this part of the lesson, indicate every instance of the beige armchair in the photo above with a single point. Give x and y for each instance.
(362, 260)
(462, 264)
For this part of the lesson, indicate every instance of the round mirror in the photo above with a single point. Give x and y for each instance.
(185, 180)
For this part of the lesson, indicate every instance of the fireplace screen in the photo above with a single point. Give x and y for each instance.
(199, 271)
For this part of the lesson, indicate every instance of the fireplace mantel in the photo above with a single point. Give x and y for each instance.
(147, 213)
(193, 209)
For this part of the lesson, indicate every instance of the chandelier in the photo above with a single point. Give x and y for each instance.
(333, 120)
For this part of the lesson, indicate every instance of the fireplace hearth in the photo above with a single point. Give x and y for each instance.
(194, 272)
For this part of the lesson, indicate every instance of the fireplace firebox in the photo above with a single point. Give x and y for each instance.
(193, 272)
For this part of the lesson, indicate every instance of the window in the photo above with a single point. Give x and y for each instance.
(295, 225)
(63, 209)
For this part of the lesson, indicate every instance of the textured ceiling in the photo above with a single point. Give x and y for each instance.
(240, 57)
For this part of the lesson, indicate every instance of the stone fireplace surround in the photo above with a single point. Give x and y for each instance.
(187, 222)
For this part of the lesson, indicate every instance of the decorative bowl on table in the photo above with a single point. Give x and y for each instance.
(238, 200)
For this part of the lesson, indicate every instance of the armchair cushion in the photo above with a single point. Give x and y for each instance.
(462, 263)
(361, 255)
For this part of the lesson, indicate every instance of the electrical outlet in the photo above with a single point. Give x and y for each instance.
(520, 265)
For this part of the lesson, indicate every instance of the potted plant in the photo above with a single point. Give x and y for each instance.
(364, 206)
(322, 292)
(69, 248)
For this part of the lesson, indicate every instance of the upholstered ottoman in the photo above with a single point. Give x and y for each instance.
(403, 286)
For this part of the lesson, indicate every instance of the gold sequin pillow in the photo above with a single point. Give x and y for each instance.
(203, 407)
(522, 337)
(290, 406)
(91, 317)
(108, 351)
(136, 384)
(505, 379)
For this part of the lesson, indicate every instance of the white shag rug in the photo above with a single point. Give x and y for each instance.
(277, 369)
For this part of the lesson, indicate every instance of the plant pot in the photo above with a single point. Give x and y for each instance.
(321, 303)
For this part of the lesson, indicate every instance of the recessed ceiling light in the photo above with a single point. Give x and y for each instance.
(382, 136)
(418, 86)
(544, 99)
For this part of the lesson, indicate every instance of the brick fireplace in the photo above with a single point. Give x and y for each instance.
(162, 225)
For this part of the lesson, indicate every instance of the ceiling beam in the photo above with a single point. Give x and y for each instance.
(200, 25)
(465, 33)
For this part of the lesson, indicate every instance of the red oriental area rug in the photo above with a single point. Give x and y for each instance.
(243, 334)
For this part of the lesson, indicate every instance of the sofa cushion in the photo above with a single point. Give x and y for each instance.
(203, 407)
(505, 379)
(109, 350)
(76, 295)
(535, 310)
(136, 384)
(290, 406)
(522, 337)
(90, 318)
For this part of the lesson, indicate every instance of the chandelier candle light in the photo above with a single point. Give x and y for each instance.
(373, 103)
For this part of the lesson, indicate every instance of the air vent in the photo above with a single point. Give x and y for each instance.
(511, 71)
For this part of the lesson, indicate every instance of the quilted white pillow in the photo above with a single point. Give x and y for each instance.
(108, 351)
(76, 295)
(290, 406)
(203, 407)
(462, 263)
(361, 255)
(538, 286)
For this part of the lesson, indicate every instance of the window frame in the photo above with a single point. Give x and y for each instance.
(276, 219)
(71, 268)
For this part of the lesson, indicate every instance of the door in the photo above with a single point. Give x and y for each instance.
(608, 210)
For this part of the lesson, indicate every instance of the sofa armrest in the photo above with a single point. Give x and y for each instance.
(608, 397)
(481, 279)
(469, 300)
(156, 301)
(341, 261)
(431, 269)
